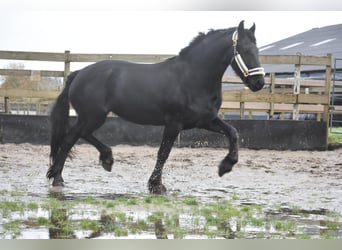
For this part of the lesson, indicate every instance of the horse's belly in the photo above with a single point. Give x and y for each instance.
(140, 114)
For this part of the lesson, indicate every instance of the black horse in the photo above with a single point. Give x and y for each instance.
(180, 93)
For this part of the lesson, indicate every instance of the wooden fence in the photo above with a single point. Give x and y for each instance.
(279, 96)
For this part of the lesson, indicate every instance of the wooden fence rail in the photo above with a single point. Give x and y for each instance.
(276, 97)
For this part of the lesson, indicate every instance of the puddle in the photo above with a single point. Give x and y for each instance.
(163, 217)
(269, 194)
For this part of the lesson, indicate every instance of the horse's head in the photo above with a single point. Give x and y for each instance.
(245, 60)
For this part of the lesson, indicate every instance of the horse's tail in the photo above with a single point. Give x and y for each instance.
(59, 119)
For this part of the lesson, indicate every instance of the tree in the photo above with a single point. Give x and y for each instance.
(22, 82)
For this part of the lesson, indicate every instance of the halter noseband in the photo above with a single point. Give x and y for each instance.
(239, 61)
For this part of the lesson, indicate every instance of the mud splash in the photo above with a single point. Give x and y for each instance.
(273, 195)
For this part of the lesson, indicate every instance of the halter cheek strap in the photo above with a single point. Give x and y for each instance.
(239, 61)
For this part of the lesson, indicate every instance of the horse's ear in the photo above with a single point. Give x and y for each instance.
(241, 28)
(252, 29)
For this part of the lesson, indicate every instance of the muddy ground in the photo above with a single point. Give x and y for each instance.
(293, 194)
(305, 179)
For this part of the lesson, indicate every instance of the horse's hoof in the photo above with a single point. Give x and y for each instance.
(108, 164)
(58, 182)
(226, 166)
(157, 189)
(107, 161)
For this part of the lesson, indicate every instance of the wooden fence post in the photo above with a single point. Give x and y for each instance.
(66, 66)
(242, 110)
(327, 94)
(272, 92)
(296, 89)
(6, 104)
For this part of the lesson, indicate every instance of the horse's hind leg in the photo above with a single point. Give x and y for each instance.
(55, 170)
(106, 155)
(155, 182)
(94, 121)
(83, 129)
(218, 126)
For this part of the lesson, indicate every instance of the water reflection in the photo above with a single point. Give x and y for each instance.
(160, 229)
(61, 226)
(228, 231)
(250, 221)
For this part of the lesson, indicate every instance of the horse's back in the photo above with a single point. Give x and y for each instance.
(133, 91)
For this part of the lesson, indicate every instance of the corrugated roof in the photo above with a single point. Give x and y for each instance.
(317, 41)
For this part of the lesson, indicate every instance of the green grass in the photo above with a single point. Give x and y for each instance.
(12, 228)
(335, 136)
(156, 216)
(190, 201)
(6, 207)
(257, 222)
(285, 225)
(87, 224)
(156, 199)
(42, 221)
(32, 206)
(173, 215)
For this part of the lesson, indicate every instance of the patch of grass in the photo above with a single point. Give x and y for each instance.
(87, 224)
(332, 225)
(141, 224)
(32, 206)
(16, 193)
(42, 221)
(234, 197)
(156, 216)
(327, 236)
(156, 199)
(172, 226)
(229, 211)
(90, 200)
(303, 236)
(12, 225)
(190, 201)
(286, 225)
(51, 203)
(250, 210)
(335, 136)
(129, 201)
(260, 235)
(110, 204)
(120, 216)
(11, 206)
(119, 232)
(4, 191)
(207, 212)
(296, 210)
(12, 229)
(257, 222)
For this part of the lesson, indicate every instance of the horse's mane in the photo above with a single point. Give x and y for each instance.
(201, 36)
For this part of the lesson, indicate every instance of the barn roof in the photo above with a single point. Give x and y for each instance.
(317, 41)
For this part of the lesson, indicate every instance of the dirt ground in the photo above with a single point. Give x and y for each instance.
(309, 179)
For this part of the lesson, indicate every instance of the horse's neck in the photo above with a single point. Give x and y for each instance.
(211, 60)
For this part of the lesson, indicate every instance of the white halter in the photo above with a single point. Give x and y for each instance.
(239, 61)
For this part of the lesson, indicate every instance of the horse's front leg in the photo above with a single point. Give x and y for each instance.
(219, 126)
(106, 155)
(171, 132)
